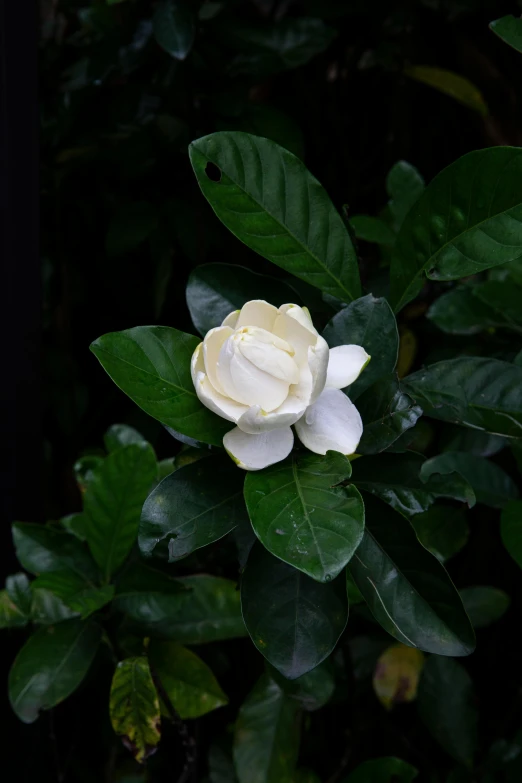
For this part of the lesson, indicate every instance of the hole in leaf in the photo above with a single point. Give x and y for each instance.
(213, 172)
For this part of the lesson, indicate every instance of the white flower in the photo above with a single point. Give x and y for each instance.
(265, 369)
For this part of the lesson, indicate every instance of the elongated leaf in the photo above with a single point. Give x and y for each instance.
(443, 530)
(484, 605)
(302, 517)
(113, 503)
(50, 666)
(147, 595)
(189, 683)
(269, 200)
(294, 621)
(41, 549)
(509, 28)
(491, 485)
(455, 438)
(468, 219)
(119, 435)
(19, 591)
(49, 609)
(368, 322)
(473, 391)
(450, 83)
(75, 524)
(266, 741)
(387, 413)
(151, 364)
(216, 290)
(404, 185)
(311, 690)
(445, 702)
(385, 770)
(372, 229)
(408, 591)
(174, 27)
(398, 479)
(511, 530)
(460, 312)
(75, 592)
(134, 707)
(194, 506)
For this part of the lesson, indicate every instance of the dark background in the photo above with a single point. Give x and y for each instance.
(122, 224)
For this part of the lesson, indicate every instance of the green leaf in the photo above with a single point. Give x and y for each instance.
(408, 591)
(119, 435)
(302, 517)
(75, 592)
(266, 740)
(84, 469)
(271, 202)
(484, 605)
(129, 227)
(404, 185)
(455, 438)
(450, 83)
(174, 27)
(216, 290)
(41, 549)
(311, 690)
(76, 524)
(385, 770)
(442, 530)
(459, 311)
(148, 596)
(398, 479)
(49, 609)
(193, 507)
(477, 392)
(220, 764)
(134, 707)
(10, 615)
(509, 28)
(294, 621)
(445, 702)
(372, 229)
(504, 299)
(491, 485)
(188, 682)
(511, 530)
(151, 364)
(468, 219)
(387, 413)
(113, 503)
(50, 666)
(18, 589)
(368, 322)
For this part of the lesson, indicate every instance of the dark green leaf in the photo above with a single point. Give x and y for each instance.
(404, 185)
(76, 524)
(175, 27)
(468, 219)
(41, 549)
(119, 435)
(474, 391)
(152, 365)
(312, 690)
(443, 530)
(460, 312)
(509, 28)
(148, 596)
(484, 605)
(302, 517)
(504, 299)
(372, 229)
(294, 621)
(194, 506)
(385, 770)
(50, 666)
(19, 591)
(189, 684)
(134, 707)
(10, 615)
(84, 469)
(75, 592)
(129, 227)
(511, 530)
(368, 322)
(387, 412)
(220, 763)
(445, 701)
(408, 591)
(267, 198)
(266, 741)
(48, 609)
(491, 485)
(455, 438)
(216, 290)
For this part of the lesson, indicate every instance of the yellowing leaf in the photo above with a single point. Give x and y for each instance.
(134, 707)
(457, 87)
(407, 351)
(396, 675)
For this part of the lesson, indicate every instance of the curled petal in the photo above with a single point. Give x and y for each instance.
(345, 365)
(332, 423)
(296, 328)
(231, 319)
(255, 420)
(268, 353)
(254, 452)
(257, 312)
(245, 383)
(318, 361)
(211, 399)
(212, 345)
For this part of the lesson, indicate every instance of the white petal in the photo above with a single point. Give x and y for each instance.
(268, 353)
(345, 365)
(256, 420)
(254, 452)
(318, 361)
(212, 345)
(196, 363)
(299, 336)
(211, 399)
(257, 313)
(231, 319)
(245, 383)
(299, 314)
(332, 423)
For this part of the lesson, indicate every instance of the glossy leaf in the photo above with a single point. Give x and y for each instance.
(372, 229)
(387, 413)
(455, 438)
(385, 770)
(216, 290)
(42, 548)
(265, 196)
(368, 322)
(19, 591)
(302, 517)
(473, 391)
(404, 185)
(511, 530)
(294, 621)
(80, 596)
(266, 740)
(174, 27)
(509, 28)
(460, 312)
(119, 435)
(113, 503)
(450, 83)
(311, 690)
(76, 524)
(148, 596)
(468, 219)
(408, 591)
(134, 707)
(445, 702)
(84, 469)
(151, 364)
(50, 666)
(442, 530)
(194, 506)
(484, 605)
(49, 609)
(491, 485)
(504, 299)
(189, 684)
(396, 675)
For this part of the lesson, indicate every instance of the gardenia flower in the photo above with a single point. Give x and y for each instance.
(266, 368)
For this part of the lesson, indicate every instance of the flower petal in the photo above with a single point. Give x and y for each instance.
(255, 420)
(332, 423)
(211, 399)
(257, 312)
(212, 345)
(245, 383)
(296, 328)
(268, 353)
(254, 452)
(318, 361)
(231, 319)
(345, 365)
